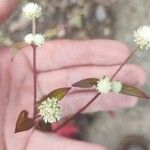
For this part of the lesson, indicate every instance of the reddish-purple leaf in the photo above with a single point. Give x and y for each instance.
(86, 83)
(58, 94)
(42, 126)
(24, 123)
(133, 91)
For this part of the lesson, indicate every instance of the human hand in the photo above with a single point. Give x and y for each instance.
(60, 63)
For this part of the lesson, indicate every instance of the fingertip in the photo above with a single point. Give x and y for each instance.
(132, 74)
(137, 74)
(129, 102)
(141, 74)
(116, 102)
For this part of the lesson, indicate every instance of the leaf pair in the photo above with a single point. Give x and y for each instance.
(25, 123)
(126, 89)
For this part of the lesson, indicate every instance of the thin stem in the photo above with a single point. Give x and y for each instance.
(34, 81)
(36, 117)
(122, 65)
(33, 26)
(34, 69)
(97, 95)
(76, 115)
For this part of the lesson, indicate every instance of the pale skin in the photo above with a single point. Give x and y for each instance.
(60, 63)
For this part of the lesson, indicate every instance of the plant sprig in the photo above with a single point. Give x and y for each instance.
(47, 110)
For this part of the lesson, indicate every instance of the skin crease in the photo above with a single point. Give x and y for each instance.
(60, 63)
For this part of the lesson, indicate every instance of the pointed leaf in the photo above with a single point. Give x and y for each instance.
(86, 83)
(58, 94)
(24, 123)
(133, 91)
(42, 126)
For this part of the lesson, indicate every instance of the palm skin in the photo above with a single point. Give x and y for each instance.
(59, 64)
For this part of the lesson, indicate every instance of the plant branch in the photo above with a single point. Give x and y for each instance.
(122, 65)
(96, 96)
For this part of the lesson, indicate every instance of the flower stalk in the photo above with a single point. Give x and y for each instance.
(33, 26)
(97, 95)
(122, 65)
(34, 80)
(34, 47)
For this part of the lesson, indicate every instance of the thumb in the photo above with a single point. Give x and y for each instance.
(7, 7)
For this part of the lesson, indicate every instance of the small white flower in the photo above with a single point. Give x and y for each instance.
(116, 86)
(29, 38)
(50, 110)
(104, 85)
(142, 37)
(39, 39)
(32, 11)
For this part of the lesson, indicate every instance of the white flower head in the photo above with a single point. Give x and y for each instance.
(142, 37)
(50, 110)
(116, 86)
(104, 85)
(32, 11)
(37, 39)
(29, 38)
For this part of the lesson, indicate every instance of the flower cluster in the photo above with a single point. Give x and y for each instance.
(104, 86)
(142, 37)
(50, 110)
(36, 39)
(32, 11)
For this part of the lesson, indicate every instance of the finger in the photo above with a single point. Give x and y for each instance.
(110, 102)
(130, 74)
(49, 81)
(67, 53)
(7, 7)
(44, 141)
(4, 85)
